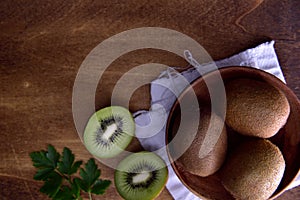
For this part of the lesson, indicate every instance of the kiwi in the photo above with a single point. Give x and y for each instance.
(255, 108)
(253, 170)
(141, 175)
(208, 164)
(109, 131)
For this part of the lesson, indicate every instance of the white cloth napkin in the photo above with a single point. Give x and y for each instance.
(150, 125)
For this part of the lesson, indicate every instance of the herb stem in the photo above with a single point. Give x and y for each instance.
(90, 196)
(68, 178)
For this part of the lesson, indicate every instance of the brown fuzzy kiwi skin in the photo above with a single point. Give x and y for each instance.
(255, 108)
(209, 164)
(253, 171)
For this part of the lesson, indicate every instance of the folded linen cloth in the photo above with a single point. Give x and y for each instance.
(150, 125)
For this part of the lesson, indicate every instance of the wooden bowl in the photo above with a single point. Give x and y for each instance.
(287, 139)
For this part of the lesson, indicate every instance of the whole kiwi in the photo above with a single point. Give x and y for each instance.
(255, 108)
(211, 135)
(253, 170)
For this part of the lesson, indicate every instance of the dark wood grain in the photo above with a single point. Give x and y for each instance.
(43, 43)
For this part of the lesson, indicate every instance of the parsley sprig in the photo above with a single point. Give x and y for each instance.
(58, 173)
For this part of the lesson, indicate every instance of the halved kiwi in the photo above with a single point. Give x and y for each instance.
(109, 131)
(141, 175)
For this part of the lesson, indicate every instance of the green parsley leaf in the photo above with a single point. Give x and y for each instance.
(45, 159)
(100, 186)
(52, 155)
(67, 165)
(52, 184)
(89, 175)
(43, 174)
(40, 160)
(65, 193)
(75, 187)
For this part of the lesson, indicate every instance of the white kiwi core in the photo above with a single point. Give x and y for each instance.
(110, 130)
(141, 177)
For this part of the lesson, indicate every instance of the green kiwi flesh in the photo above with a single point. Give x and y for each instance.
(109, 131)
(141, 175)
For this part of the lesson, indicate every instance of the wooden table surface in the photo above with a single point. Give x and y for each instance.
(43, 43)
